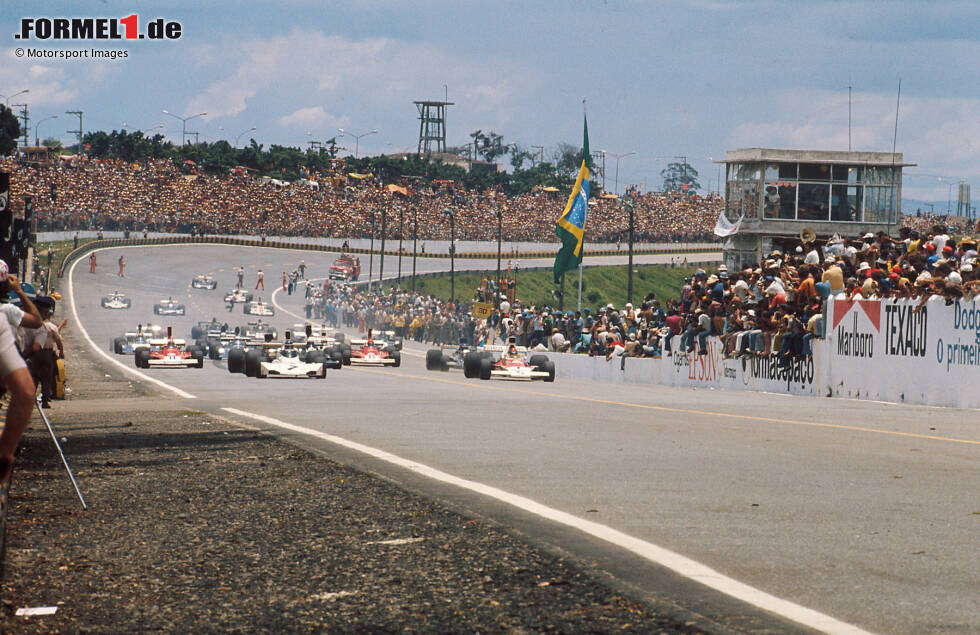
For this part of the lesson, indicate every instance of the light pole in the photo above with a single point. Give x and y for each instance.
(7, 99)
(243, 132)
(628, 204)
(452, 254)
(496, 294)
(37, 139)
(401, 236)
(140, 130)
(183, 120)
(618, 157)
(381, 273)
(415, 243)
(357, 138)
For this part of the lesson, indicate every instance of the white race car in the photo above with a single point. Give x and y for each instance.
(258, 307)
(204, 282)
(168, 307)
(513, 363)
(287, 362)
(116, 300)
(238, 295)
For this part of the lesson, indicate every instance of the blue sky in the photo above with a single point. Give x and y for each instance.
(687, 78)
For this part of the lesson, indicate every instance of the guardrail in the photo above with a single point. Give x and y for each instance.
(274, 244)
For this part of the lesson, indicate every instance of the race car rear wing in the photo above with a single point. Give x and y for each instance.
(500, 348)
(164, 341)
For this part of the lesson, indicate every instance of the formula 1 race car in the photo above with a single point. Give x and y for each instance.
(368, 352)
(288, 361)
(168, 307)
(442, 359)
(258, 307)
(169, 353)
(204, 282)
(207, 330)
(130, 341)
(346, 268)
(259, 329)
(386, 339)
(317, 338)
(513, 363)
(116, 300)
(238, 295)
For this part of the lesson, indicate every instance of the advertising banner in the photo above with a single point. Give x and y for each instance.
(757, 372)
(898, 351)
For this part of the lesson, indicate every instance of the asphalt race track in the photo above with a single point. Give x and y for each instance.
(826, 512)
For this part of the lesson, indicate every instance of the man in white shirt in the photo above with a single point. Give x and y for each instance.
(17, 380)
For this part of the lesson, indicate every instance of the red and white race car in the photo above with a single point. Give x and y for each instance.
(513, 363)
(169, 353)
(369, 353)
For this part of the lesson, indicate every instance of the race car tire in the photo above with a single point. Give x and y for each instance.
(142, 358)
(346, 354)
(323, 372)
(433, 359)
(118, 344)
(103, 302)
(248, 297)
(537, 360)
(199, 356)
(212, 349)
(127, 304)
(156, 309)
(202, 344)
(340, 337)
(236, 360)
(337, 355)
(471, 364)
(398, 359)
(549, 367)
(196, 332)
(253, 359)
(486, 366)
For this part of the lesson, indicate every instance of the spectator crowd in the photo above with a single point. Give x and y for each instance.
(155, 195)
(775, 307)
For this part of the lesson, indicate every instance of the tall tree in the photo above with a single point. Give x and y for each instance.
(678, 174)
(9, 131)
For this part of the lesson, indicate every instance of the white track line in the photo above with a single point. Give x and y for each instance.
(126, 369)
(663, 557)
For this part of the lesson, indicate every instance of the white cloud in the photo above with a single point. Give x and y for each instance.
(310, 117)
(347, 76)
(938, 133)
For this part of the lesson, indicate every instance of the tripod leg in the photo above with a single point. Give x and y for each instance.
(54, 438)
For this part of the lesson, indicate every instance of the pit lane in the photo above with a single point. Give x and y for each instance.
(875, 529)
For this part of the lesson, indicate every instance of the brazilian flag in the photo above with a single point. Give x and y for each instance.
(571, 223)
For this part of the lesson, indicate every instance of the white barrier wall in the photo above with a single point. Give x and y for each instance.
(801, 377)
(875, 349)
(892, 351)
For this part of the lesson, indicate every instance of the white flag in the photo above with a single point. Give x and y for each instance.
(724, 227)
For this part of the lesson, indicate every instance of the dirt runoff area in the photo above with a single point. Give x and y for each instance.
(196, 524)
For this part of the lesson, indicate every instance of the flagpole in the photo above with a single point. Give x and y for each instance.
(584, 115)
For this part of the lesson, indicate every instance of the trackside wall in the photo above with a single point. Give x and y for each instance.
(875, 349)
